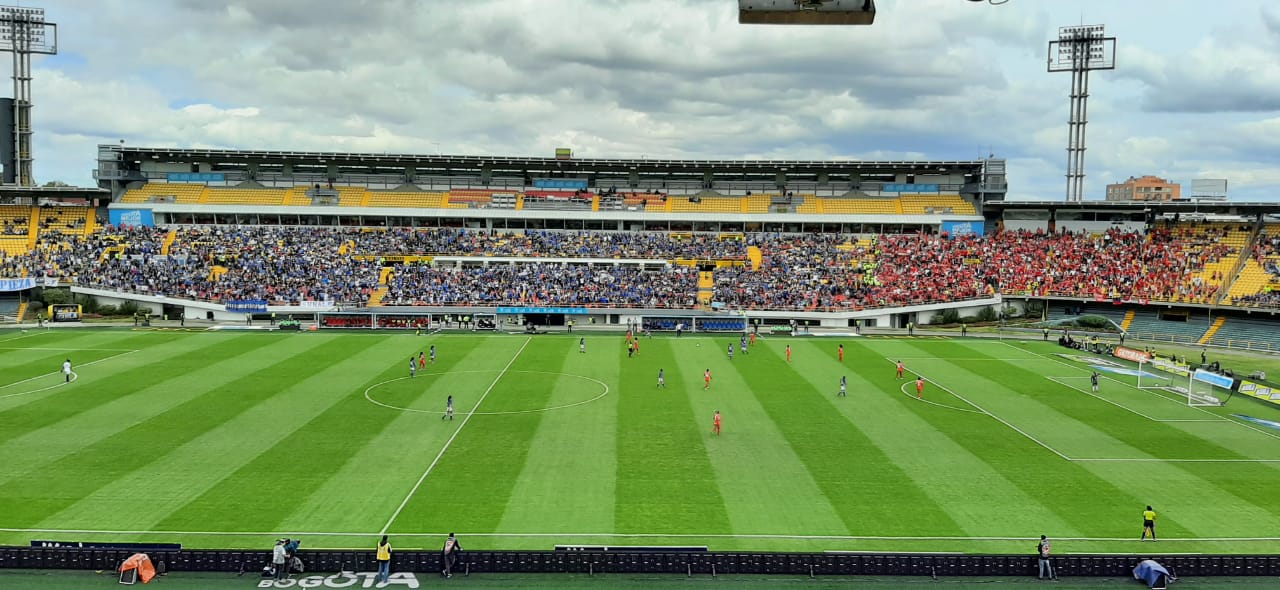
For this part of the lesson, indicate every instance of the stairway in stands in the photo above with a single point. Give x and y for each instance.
(168, 242)
(706, 287)
(375, 298)
(1213, 330)
(1128, 321)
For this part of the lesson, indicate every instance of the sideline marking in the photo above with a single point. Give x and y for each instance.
(368, 397)
(465, 419)
(638, 536)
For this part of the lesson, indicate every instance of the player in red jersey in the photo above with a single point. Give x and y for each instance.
(752, 339)
(715, 425)
(422, 360)
(706, 379)
(919, 387)
(788, 353)
(840, 352)
(900, 369)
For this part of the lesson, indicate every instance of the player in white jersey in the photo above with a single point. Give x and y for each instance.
(66, 369)
(662, 379)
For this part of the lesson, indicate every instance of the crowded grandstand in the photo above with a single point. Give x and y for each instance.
(817, 237)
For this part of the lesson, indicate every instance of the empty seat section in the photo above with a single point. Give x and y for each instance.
(934, 204)
(245, 196)
(164, 191)
(464, 198)
(708, 205)
(406, 199)
(860, 206)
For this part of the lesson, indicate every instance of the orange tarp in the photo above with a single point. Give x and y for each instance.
(142, 563)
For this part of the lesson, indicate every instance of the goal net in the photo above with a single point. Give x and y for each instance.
(1206, 388)
(1156, 373)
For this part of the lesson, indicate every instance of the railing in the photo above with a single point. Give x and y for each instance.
(687, 561)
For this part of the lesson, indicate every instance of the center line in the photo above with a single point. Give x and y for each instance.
(465, 419)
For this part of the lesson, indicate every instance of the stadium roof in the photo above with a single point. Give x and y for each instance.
(172, 155)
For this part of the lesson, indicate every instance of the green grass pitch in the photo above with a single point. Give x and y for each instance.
(229, 439)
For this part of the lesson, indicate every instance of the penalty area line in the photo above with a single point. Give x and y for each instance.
(465, 419)
(984, 411)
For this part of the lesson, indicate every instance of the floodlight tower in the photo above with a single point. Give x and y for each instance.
(23, 32)
(1080, 50)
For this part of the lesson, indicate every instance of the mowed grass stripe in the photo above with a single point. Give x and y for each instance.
(382, 469)
(86, 376)
(60, 483)
(664, 481)
(567, 481)
(471, 485)
(1069, 491)
(1157, 439)
(926, 442)
(261, 408)
(137, 387)
(766, 487)
(1248, 442)
(1141, 479)
(851, 470)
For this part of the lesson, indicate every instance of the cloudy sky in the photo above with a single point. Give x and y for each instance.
(1196, 93)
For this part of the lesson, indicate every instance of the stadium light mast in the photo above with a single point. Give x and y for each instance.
(23, 32)
(1080, 50)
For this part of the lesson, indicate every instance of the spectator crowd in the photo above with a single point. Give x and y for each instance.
(290, 265)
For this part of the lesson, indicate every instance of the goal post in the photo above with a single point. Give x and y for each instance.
(1206, 388)
(1154, 373)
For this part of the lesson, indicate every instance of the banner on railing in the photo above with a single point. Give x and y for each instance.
(131, 217)
(17, 284)
(544, 310)
(1129, 354)
(957, 229)
(195, 177)
(247, 306)
(1260, 391)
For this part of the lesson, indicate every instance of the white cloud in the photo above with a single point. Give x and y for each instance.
(663, 78)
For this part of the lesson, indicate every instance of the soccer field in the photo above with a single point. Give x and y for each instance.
(230, 439)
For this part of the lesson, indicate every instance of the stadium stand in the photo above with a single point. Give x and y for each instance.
(706, 205)
(244, 196)
(934, 204)
(1258, 282)
(1168, 326)
(854, 206)
(165, 192)
(1248, 333)
(425, 200)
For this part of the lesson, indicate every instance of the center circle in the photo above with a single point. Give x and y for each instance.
(368, 392)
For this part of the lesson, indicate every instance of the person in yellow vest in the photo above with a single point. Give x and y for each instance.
(1148, 524)
(384, 560)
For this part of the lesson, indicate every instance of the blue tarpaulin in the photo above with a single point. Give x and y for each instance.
(1152, 573)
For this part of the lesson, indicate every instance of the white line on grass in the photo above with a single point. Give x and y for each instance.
(465, 419)
(375, 402)
(784, 537)
(981, 409)
(1059, 381)
(68, 349)
(1156, 460)
(933, 403)
(1237, 422)
(74, 376)
(24, 335)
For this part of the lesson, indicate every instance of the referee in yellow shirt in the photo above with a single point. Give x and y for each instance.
(1148, 524)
